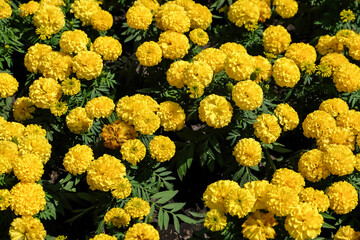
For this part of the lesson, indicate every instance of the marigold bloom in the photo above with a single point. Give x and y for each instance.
(259, 225)
(133, 151)
(28, 168)
(116, 133)
(34, 55)
(162, 148)
(312, 166)
(346, 36)
(99, 107)
(153, 5)
(6, 10)
(239, 65)
(174, 74)
(105, 173)
(176, 21)
(247, 152)
(259, 190)
(347, 15)
(5, 197)
(146, 122)
(198, 71)
(28, 8)
(122, 189)
(59, 108)
(267, 128)
(334, 106)
(27, 227)
(347, 78)
(56, 65)
(44, 92)
(173, 45)
(285, 72)
(87, 65)
(281, 200)
(10, 131)
(339, 159)
(22, 109)
(35, 144)
(276, 39)
(48, 20)
(231, 47)
(195, 89)
(101, 20)
(354, 48)
(77, 159)
(108, 47)
(286, 8)
(316, 123)
(328, 44)
(337, 135)
(334, 61)
(200, 16)
(287, 116)
(349, 120)
(346, 232)
(301, 52)
(172, 116)
(169, 8)
(139, 17)
(34, 129)
(263, 69)
(5, 165)
(103, 236)
(142, 231)
(215, 220)
(244, 12)
(8, 85)
(239, 202)
(288, 178)
(137, 208)
(27, 199)
(118, 217)
(199, 37)
(247, 95)
(343, 197)
(212, 56)
(71, 86)
(149, 54)
(215, 194)
(216, 111)
(315, 198)
(84, 9)
(77, 121)
(74, 41)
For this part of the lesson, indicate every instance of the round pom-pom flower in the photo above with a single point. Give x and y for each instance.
(142, 231)
(133, 151)
(5, 199)
(87, 65)
(44, 92)
(288, 178)
(71, 86)
(103, 236)
(259, 225)
(247, 95)
(276, 39)
(286, 8)
(162, 148)
(239, 202)
(287, 116)
(8, 85)
(216, 111)
(200, 16)
(247, 152)
(116, 133)
(339, 159)
(174, 45)
(56, 65)
(34, 55)
(84, 9)
(343, 197)
(281, 200)
(285, 72)
(312, 167)
(28, 168)
(77, 121)
(59, 108)
(137, 208)
(334, 106)
(27, 227)
(149, 54)
(77, 159)
(337, 135)
(215, 220)
(212, 56)
(100, 107)
(172, 116)
(301, 52)
(174, 74)
(346, 232)
(239, 65)
(35, 144)
(317, 123)
(108, 47)
(139, 17)
(267, 128)
(74, 41)
(118, 217)
(231, 47)
(199, 37)
(347, 78)
(146, 122)
(244, 12)
(349, 120)
(48, 20)
(215, 194)
(27, 199)
(176, 21)
(122, 189)
(315, 198)
(198, 71)
(6, 10)
(263, 69)
(102, 20)
(304, 222)
(258, 189)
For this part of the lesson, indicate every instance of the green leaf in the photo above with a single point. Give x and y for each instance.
(166, 220)
(176, 223)
(174, 206)
(196, 214)
(164, 196)
(186, 219)
(161, 218)
(327, 225)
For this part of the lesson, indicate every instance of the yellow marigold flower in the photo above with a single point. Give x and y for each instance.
(328, 44)
(239, 65)
(139, 17)
(247, 152)
(77, 121)
(28, 8)
(215, 220)
(334, 61)
(265, 10)
(239, 202)
(349, 120)
(323, 70)
(74, 41)
(276, 39)
(354, 48)
(259, 190)
(307, 67)
(263, 69)
(167, 8)
(304, 222)
(231, 47)
(215, 194)
(339, 159)
(347, 15)
(312, 166)
(87, 64)
(103, 236)
(44, 92)
(172, 116)
(247, 95)
(146, 122)
(78, 159)
(174, 45)
(200, 16)
(35, 144)
(286, 8)
(27, 227)
(347, 78)
(84, 9)
(34, 129)
(316, 123)
(315, 198)
(287, 116)
(285, 72)
(176, 21)
(259, 225)
(337, 135)
(195, 89)
(216, 111)
(5, 164)
(28, 168)
(116, 133)
(198, 71)
(212, 56)
(244, 12)
(5, 197)
(8, 153)
(174, 74)
(118, 217)
(301, 52)
(10, 131)
(142, 231)
(149, 54)
(59, 108)
(281, 200)
(108, 47)
(162, 148)
(153, 5)
(346, 233)
(105, 173)
(53, 2)
(56, 65)
(100, 107)
(101, 20)
(288, 178)
(133, 151)
(357, 159)
(346, 36)
(6, 10)
(199, 37)
(34, 55)
(267, 128)
(334, 106)
(48, 20)
(22, 109)
(137, 208)
(8, 85)
(343, 197)
(71, 86)
(27, 199)
(122, 189)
